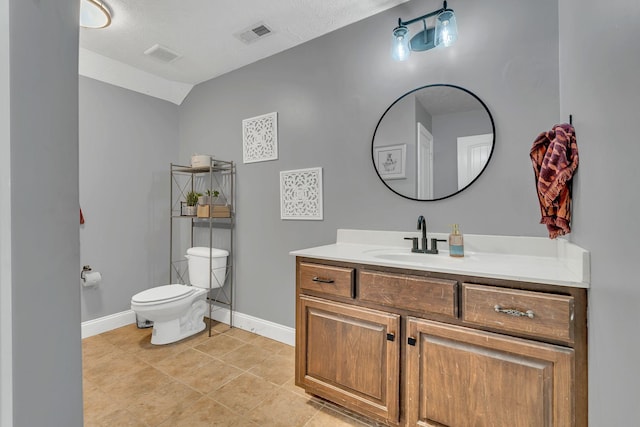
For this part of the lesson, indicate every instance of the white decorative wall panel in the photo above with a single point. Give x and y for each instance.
(301, 194)
(260, 138)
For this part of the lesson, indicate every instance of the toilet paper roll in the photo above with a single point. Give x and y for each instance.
(91, 279)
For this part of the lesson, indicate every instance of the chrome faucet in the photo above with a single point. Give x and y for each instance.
(422, 226)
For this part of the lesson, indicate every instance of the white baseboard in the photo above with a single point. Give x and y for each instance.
(265, 328)
(107, 323)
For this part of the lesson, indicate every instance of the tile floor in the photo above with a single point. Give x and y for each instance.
(233, 378)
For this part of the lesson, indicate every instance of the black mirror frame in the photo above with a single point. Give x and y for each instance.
(493, 129)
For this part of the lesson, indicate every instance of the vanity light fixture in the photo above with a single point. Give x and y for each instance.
(444, 34)
(94, 14)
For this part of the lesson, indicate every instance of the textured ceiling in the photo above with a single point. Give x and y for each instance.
(202, 31)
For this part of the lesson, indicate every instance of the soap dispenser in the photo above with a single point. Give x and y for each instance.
(456, 242)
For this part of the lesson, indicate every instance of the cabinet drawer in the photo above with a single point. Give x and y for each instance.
(532, 313)
(326, 279)
(415, 293)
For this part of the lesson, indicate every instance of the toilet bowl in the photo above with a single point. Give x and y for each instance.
(177, 310)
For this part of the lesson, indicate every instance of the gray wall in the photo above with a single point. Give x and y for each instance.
(329, 94)
(127, 141)
(6, 384)
(327, 112)
(399, 127)
(599, 64)
(47, 375)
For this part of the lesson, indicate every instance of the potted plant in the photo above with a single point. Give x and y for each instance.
(206, 202)
(192, 201)
(209, 197)
(212, 195)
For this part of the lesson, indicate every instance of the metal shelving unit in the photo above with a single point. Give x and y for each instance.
(220, 175)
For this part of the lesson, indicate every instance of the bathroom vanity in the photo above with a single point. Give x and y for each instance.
(493, 339)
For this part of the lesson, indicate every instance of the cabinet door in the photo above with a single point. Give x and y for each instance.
(349, 355)
(460, 377)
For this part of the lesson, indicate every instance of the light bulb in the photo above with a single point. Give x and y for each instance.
(400, 50)
(446, 29)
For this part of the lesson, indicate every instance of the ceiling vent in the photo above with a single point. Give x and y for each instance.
(254, 32)
(162, 53)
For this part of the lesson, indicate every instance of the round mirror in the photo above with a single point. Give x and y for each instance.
(433, 142)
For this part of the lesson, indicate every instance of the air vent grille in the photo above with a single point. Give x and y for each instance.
(162, 53)
(254, 32)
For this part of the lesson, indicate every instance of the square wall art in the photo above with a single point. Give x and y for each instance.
(260, 138)
(301, 194)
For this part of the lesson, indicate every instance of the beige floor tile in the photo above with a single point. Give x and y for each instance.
(210, 376)
(155, 407)
(196, 339)
(130, 387)
(182, 362)
(234, 378)
(124, 335)
(219, 326)
(98, 404)
(133, 342)
(219, 345)
(206, 412)
(328, 417)
(88, 386)
(154, 354)
(277, 369)
(121, 418)
(285, 409)
(96, 346)
(291, 386)
(240, 334)
(243, 393)
(110, 367)
(270, 345)
(246, 356)
(288, 350)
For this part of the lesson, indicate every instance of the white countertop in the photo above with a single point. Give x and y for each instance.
(526, 259)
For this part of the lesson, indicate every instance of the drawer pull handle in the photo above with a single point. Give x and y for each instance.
(319, 280)
(514, 312)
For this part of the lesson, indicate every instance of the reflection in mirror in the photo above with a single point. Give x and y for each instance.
(433, 142)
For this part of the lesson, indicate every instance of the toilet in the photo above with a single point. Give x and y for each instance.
(177, 311)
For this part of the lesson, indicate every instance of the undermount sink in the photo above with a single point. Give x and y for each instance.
(399, 255)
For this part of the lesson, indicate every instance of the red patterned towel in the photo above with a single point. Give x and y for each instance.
(555, 159)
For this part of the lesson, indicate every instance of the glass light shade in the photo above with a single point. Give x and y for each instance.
(446, 28)
(94, 14)
(400, 46)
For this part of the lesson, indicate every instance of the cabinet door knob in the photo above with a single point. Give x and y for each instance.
(319, 280)
(411, 341)
(391, 337)
(514, 312)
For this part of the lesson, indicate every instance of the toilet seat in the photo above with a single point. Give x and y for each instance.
(162, 294)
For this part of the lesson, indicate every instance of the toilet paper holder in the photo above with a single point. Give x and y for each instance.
(85, 269)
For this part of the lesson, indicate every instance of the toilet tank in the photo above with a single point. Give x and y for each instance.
(198, 262)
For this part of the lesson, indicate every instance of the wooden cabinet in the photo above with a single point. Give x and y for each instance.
(329, 280)
(419, 348)
(538, 314)
(349, 355)
(426, 295)
(458, 376)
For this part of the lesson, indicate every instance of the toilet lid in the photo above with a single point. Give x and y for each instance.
(163, 293)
